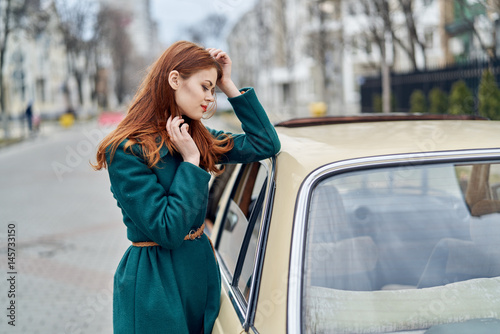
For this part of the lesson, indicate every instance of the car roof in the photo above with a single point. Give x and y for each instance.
(307, 147)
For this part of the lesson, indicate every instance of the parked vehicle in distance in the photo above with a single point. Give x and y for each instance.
(369, 224)
(110, 118)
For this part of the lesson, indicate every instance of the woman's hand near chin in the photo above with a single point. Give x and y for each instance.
(225, 83)
(183, 142)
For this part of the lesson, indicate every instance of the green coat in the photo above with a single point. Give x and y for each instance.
(175, 288)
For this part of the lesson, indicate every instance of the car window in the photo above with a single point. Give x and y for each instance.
(245, 277)
(214, 196)
(387, 244)
(239, 233)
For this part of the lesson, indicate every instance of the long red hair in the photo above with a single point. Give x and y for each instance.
(153, 104)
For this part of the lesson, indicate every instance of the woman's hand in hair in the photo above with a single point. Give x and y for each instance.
(183, 142)
(225, 83)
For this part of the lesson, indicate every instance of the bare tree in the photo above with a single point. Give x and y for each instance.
(325, 46)
(113, 23)
(275, 48)
(7, 17)
(15, 15)
(94, 56)
(319, 46)
(287, 36)
(242, 50)
(380, 14)
(265, 31)
(211, 27)
(380, 28)
(413, 38)
(76, 20)
(97, 52)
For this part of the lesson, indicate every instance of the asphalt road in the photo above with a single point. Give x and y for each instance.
(67, 237)
(66, 234)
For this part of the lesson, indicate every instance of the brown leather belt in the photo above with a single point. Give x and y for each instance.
(191, 236)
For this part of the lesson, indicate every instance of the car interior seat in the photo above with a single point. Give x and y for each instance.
(337, 258)
(454, 260)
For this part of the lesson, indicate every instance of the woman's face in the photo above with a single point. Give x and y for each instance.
(193, 95)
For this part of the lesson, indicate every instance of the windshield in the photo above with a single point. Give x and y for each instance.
(403, 248)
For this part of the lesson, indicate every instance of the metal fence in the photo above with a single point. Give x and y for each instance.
(403, 84)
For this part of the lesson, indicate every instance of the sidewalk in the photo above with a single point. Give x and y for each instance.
(69, 234)
(18, 131)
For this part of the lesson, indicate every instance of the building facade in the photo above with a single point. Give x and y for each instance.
(40, 69)
(301, 55)
(36, 71)
(140, 26)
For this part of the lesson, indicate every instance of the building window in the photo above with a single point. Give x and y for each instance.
(354, 45)
(368, 46)
(40, 89)
(352, 9)
(286, 92)
(328, 9)
(428, 37)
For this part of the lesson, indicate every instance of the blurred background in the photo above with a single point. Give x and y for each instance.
(69, 69)
(304, 57)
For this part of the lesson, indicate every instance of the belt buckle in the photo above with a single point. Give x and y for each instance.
(190, 235)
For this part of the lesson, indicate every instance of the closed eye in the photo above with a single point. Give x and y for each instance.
(204, 88)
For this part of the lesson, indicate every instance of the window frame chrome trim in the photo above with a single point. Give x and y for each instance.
(295, 280)
(226, 205)
(262, 244)
(238, 308)
(246, 309)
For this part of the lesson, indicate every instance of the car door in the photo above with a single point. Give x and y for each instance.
(239, 231)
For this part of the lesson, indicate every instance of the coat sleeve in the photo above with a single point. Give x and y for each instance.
(165, 217)
(260, 140)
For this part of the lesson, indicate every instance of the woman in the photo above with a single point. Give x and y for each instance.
(159, 159)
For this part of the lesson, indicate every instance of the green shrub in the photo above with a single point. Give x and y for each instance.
(377, 103)
(461, 99)
(438, 101)
(418, 102)
(489, 96)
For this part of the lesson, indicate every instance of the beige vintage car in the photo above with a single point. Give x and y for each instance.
(382, 224)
